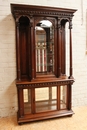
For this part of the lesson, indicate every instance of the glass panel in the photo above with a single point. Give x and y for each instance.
(63, 97)
(46, 99)
(27, 101)
(44, 47)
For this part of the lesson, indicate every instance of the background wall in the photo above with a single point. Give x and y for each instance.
(8, 92)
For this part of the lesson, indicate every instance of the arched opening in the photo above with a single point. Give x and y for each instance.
(24, 46)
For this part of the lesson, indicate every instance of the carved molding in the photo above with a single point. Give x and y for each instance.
(57, 14)
(45, 84)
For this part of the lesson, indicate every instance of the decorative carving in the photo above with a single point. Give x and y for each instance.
(31, 24)
(44, 12)
(70, 23)
(17, 24)
(59, 23)
(45, 84)
(27, 77)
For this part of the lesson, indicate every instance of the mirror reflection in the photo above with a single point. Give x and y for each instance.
(44, 42)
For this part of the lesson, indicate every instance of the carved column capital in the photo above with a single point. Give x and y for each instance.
(17, 22)
(31, 21)
(70, 23)
(59, 23)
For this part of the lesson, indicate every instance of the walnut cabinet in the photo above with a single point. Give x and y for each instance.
(44, 61)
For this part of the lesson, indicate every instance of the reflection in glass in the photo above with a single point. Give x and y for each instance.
(63, 96)
(44, 41)
(27, 101)
(45, 99)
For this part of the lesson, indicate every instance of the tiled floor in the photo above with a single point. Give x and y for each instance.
(77, 122)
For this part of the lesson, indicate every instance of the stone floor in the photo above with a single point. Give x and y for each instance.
(77, 122)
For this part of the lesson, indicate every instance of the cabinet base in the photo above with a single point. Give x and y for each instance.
(43, 116)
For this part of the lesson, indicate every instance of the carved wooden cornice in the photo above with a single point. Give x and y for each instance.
(31, 10)
(44, 84)
(26, 12)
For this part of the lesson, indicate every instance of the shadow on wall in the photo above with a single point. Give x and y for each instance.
(8, 91)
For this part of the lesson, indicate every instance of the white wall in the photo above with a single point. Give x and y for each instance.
(8, 92)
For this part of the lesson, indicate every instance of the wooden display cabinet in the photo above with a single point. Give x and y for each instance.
(44, 87)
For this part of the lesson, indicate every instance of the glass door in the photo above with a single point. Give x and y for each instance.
(46, 99)
(27, 100)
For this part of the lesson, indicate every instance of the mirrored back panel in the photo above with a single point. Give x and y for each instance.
(44, 42)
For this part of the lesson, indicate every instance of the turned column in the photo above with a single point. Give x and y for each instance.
(18, 50)
(70, 33)
(59, 48)
(32, 48)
